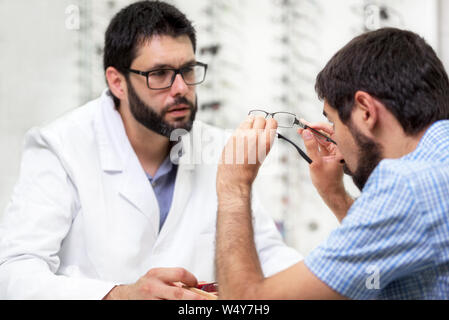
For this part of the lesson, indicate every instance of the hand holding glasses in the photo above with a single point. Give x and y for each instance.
(289, 120)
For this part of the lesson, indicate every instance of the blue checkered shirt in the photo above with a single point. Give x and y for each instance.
(394, 241)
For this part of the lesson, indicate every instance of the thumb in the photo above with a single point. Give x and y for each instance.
(311, 146)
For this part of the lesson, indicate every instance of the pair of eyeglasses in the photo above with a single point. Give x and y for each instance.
(289, 120)
(160, 79)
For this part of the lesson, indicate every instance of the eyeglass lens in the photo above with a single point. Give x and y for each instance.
(288, 120)
(165, 77)
(285, 119)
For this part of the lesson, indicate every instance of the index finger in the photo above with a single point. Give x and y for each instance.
(271, 124)
(248, 123)
(326, 127)
(206, 295)
(171, 275)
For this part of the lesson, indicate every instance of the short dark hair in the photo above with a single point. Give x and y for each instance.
(137, 23)
(395, 66)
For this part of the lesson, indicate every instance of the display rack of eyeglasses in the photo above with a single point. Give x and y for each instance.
(298, 30)
(94, 18)
(84, 63)
(219, 45)
(296, 38)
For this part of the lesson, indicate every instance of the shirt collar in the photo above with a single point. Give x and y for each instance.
(165, 168)
(433, 140)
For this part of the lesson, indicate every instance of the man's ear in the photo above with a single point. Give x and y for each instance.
(366, 110)
(116, 82)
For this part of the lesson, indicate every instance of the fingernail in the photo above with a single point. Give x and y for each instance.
(307, 135)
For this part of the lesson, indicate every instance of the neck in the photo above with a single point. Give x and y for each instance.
(151, 148)
(402, 144)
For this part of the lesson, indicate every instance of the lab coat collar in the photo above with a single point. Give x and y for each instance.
(114, 144)
(118, 156)
(111, 135)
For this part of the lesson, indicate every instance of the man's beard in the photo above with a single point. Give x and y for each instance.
(369, 156)
(155, 122)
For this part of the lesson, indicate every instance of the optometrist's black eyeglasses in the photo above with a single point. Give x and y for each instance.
(289, 120)
(163, 78)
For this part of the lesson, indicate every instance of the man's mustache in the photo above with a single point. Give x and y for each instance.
(180, 100)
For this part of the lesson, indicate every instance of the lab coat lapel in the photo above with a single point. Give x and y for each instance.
(138, 191)
(118, 157)
(183, 187)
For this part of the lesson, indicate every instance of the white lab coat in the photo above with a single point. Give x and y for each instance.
(83, 216)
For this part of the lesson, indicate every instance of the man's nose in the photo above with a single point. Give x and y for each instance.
(179, 87)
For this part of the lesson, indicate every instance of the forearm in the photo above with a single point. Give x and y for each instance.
(236, 253)
(119, 292)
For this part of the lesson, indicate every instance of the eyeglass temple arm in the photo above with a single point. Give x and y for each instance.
(314, 131)
(302, 153)
(138, 72)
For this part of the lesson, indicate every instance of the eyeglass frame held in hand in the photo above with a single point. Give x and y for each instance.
(297, 122)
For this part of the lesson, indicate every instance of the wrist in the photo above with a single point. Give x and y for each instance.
(116, 293)
(233, 180)
(338, 200)
(341, 206)
(227, 186)
(227, 191)
(336, 188)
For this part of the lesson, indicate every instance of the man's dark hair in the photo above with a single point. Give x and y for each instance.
(137, 23)
(395, 66)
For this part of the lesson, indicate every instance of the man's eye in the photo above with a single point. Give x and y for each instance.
(158, 73)
(187, 70)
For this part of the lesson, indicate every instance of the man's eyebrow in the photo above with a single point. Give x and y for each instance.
(160, 66)
(167, 66)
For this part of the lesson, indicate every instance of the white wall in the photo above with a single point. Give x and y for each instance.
(38, 78)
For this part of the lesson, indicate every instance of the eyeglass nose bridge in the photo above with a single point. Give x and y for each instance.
(269, 115)
(176, 72)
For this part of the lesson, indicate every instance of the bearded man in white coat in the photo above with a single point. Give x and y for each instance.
(106, 205)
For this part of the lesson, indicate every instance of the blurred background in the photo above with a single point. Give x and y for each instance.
(261, 53)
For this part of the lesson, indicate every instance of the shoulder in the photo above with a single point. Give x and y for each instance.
(429, 159)
(80, 118)
(202, 147)
(207, 135)
(402, 189)
(202, 127)
(415, 174)
(76, 124)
